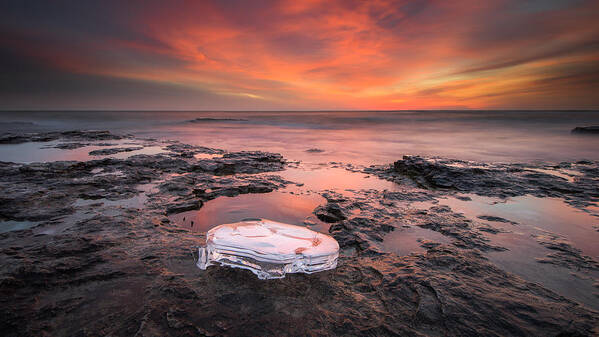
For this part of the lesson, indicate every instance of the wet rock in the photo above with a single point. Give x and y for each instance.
(590, 130)
(121, 271)
(241, 162)
(70, 146)
(208, 166)
(428, 243)
(15, 138)
(496, 219)
(431, 173)
(334, 197)
(408, 196)
(377, 217)
(114, 150)
(173, 320)
(441, 219)
(564, 254)
(183, 207)
(9, 138)
(213, 187)
(496, 180)
(330, 213)
(209, 119)
(190, 150)
(463, 198)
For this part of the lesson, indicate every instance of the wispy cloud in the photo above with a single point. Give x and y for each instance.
(383, 54)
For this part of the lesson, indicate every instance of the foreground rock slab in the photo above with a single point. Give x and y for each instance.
(98, 264)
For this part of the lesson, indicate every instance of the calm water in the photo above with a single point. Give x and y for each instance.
(356, 137)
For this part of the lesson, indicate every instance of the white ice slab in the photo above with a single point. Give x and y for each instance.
(268, 248)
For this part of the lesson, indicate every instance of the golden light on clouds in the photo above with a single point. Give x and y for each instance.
(321, 54)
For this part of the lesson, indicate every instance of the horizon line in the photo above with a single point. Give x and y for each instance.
(325, 110)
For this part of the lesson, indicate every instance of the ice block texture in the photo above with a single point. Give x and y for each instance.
(268, 248)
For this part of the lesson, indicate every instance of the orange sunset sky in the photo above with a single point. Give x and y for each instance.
(299, 55)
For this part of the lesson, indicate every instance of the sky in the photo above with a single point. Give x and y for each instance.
(299, 55)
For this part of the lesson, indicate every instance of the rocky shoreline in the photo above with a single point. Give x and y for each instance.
(102, 256)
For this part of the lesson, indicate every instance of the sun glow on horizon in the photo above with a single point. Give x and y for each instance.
(306, 55)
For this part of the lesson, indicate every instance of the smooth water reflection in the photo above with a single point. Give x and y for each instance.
(535, 214)
(46, 152)
(279, 206)
(538, 216)
(360, 137)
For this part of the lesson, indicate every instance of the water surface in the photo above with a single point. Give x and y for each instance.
(361, 137)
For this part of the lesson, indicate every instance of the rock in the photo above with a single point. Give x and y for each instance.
(431, 173)
(114, 150)
(15, 138)
(564, 254)
(241, 162)
(449, 176)
(70, 146)
(428, 244)
(183, 207)
(591, 130)
(105, 269)
(496, 219)
(172, 319)
(189, 151)
(330, 213)
(208, 119)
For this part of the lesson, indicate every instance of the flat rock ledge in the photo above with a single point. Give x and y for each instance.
(92, 269)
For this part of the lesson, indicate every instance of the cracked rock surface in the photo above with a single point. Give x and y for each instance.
(104, 258)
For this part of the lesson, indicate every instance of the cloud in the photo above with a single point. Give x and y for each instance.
(586, 46)
(389, 54)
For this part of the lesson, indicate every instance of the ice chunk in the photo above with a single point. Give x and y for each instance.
(268, 248)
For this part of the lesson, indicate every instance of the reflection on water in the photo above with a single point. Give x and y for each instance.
(536, 216)
(279, 206)
(521, 260)
(45, 152)
(11, 225)
(85, 209)
(206, 156)
(320, 178)
(293, 204)
(404, 241)
(357, 137)
(367, 144)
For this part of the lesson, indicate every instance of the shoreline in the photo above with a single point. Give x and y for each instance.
(99, 261)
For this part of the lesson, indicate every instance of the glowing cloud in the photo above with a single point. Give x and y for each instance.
(248, 55)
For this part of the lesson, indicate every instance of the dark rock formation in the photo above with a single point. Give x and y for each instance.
(114, 150)
(496, 180)
(587, 130)
(241, 162)
(495, 219)
(330, 213)
(15, 138)
(92, 268)
(564, 254)
(209, 119)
